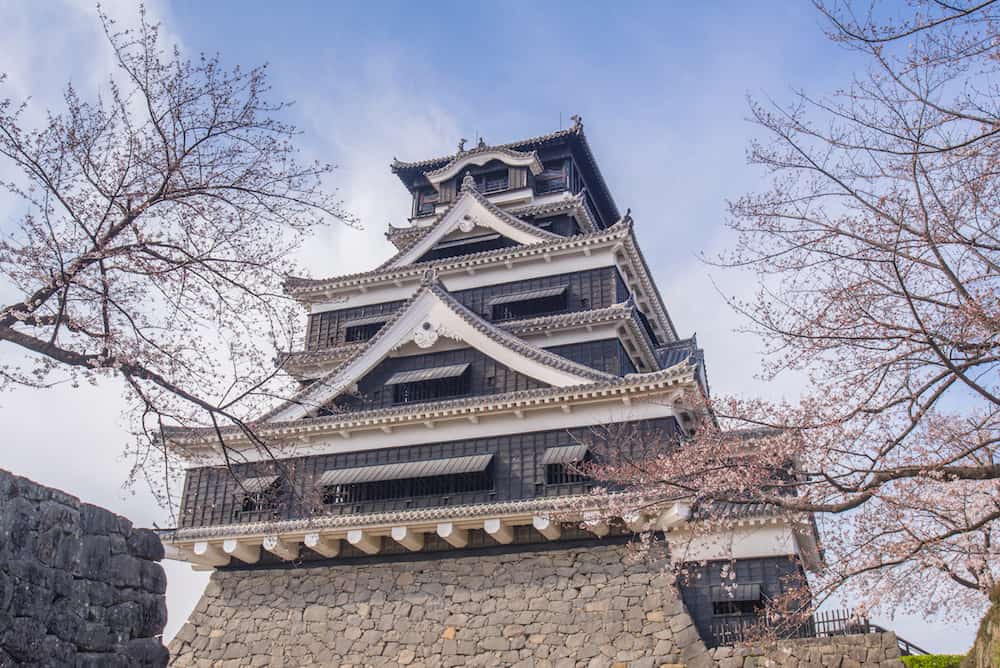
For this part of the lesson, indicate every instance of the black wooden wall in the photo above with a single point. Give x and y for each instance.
(592, 289)
(212, 495)
(486, 375)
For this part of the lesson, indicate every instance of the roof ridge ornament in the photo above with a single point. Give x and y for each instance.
(481, 143)
(468, 182)
(577, 122)
(461, 144)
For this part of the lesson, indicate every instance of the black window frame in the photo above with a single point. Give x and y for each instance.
(492, 181)
(530, 308)
(427, 201)
(562, 473)
(361, 333)
(553, 179)
(432, 390)
(478, 482)
(265, 502)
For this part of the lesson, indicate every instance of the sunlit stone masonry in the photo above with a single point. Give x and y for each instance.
(426, 504)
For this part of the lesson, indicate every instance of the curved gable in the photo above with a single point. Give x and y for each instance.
(470, 211)
(430, 315)
(479, 157)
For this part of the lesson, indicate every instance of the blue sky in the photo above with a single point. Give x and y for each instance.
(662, 88)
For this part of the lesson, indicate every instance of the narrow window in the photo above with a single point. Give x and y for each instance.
(429, 384)
(738, 600)
(562, 464)
(554, 178)
(530, 304)
(260, 495)
(363, 332)
(427, 200)
(442, 478)
(493, 182)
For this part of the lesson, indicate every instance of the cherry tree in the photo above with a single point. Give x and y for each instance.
(877, 248)
(155, 226)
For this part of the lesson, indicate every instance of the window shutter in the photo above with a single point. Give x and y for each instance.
(447, 190)
(518, 177)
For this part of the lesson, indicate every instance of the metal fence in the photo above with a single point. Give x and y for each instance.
(825, 624)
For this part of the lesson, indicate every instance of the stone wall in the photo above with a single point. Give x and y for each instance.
(574, 606)
(878, 650)
(78, 584)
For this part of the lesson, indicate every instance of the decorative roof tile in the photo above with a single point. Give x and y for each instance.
(469, 191)
(677, 377)
(407, 170)
(386, 519)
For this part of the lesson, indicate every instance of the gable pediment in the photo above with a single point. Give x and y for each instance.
(470, 215)
(482, 156)
(432, 315)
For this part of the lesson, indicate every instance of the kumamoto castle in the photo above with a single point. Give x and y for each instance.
(427, 506)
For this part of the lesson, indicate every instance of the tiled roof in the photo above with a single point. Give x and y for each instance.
(680, 375)
(409, 169)
(303, 288)
(684, 349)
(724, 510)
(469, 190)
(623, 312)
(436, 163)
(297, 286)
(548, 504)
(431, 284)
(570, 204)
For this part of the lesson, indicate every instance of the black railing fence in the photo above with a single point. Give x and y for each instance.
(824, 624)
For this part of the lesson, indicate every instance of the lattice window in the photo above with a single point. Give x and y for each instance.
(427, 200)
(542, 302)
(363, 332)
(738, 600)
(554, 177)
(493, 182)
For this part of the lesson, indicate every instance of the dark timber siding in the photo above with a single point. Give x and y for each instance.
(327, 329)
(607, 355)
(485, 375)
(593, 289)
(774, 575)
(372, 393)
(212, 496)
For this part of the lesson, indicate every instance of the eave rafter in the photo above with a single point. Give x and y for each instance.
(619, 237)
(312, 364)
(667, 387)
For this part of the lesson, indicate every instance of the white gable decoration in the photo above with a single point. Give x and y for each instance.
(480, 157)
(472, 210)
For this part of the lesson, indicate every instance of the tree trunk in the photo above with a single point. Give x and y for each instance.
(985, 653)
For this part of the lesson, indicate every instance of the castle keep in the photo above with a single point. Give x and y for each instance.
(427, 504)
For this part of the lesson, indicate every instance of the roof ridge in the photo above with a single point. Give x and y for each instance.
(577, 128)
(469, 189)
(442, 406)
(430, 283)
(619, 228)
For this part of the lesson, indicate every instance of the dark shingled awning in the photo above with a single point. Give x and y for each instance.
(370, 320)
(434, 373)
(740, 592)
(564, 454)
(398, 471)
(258, 485)
(451, 243)
(530, 294)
